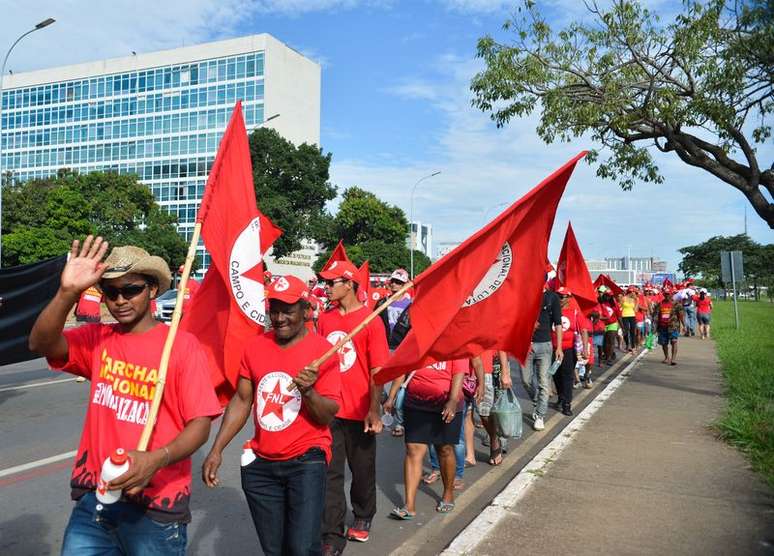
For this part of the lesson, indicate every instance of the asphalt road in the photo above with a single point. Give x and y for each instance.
(41, 414)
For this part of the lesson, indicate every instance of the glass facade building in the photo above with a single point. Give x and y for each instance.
(160, 121)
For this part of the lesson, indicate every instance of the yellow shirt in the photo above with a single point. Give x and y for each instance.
(628, 306)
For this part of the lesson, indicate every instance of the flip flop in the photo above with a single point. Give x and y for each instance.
(459, 484)
(397, 431)
(494, 455)
(402, 514)
(431, 477)
(444, 507)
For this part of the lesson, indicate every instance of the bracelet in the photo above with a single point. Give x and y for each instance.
(166, 451)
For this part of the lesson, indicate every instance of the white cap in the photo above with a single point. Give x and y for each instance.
(400, 275)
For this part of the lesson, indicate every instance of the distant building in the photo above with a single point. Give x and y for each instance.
(446, 248)
(298, 263)
(642, 264)
(627, 270)
(421, 238)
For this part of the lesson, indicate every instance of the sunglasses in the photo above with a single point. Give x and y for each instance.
(127, 292)
(331, 283)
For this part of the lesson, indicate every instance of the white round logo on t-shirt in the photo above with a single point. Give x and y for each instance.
(347, 353)
(565, 324)
(275, 406)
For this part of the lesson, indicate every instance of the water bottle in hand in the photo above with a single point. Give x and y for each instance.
(113, 467)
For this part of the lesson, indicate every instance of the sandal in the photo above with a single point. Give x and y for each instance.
(469, 463)
(402, 514)
(431, 477)
(459, 484)
(444, 507)
(397, 431)
(495, 457)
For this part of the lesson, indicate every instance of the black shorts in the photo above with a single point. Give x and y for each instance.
(427, 427)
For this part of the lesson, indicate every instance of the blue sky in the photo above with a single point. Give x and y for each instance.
(396, 107)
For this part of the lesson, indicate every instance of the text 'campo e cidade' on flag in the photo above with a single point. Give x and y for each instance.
(465, 303)
(230, 304)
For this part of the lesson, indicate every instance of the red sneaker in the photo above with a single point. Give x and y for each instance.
(359, 530)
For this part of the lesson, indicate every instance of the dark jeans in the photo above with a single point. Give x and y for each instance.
(630, 331)
(120, 529)
(358, 449)
(609, 344)
(565, 377)
(286, 502)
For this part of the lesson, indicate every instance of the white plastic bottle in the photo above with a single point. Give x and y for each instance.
(248, 456)
(115, 466)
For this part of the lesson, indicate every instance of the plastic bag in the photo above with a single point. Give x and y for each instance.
(506, 413)
(650, 340)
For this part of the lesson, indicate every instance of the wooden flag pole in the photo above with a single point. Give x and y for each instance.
(328, 354)
(147, 431)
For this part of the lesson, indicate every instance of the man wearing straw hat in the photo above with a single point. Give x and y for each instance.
(122, 360)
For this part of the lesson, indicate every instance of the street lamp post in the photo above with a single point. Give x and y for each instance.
(411, 220)
(41, 25)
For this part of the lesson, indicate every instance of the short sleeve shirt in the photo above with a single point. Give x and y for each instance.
(550, 316)
(430, 387)
(367, 350)
(123, 369)
(283, 428)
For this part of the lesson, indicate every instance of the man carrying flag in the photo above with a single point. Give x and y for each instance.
(465, 304)
(358, 419)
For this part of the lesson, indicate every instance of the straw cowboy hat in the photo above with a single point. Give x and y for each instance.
(135, 260)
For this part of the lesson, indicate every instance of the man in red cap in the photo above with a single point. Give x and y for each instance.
(359, 418)
(294, 404)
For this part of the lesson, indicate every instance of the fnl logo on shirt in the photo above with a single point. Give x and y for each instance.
(347, 353)
(275, 406)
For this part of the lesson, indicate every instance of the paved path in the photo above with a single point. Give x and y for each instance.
(646, 475)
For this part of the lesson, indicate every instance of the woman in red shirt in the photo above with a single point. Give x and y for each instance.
(432, 414)
(572, 329)
(703, 312)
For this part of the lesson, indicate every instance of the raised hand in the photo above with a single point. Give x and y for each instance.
(85, 267)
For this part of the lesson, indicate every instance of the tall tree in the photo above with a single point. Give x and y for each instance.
(42, 217)
(291, 186)
(700, 87)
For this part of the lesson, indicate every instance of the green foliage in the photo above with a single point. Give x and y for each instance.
(372, 230)
(636, 86)
(746, 355)
(291, 187)
(703, 260)
(42, 217)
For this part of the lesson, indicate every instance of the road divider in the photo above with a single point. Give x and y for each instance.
(37, 463)
(36, 384)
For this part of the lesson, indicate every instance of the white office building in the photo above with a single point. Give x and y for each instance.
(421, 238)
(159, 115)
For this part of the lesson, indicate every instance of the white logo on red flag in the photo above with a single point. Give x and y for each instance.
(248, 291)
(494, 277)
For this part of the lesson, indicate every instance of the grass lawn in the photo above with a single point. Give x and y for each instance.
(747, 358)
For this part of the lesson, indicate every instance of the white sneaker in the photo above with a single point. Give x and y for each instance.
(538, 425)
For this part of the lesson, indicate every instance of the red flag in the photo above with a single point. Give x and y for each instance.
(229, 306)
(364, 288)
(465, 304)
(572, 273)
(605, 280)
(338, 254)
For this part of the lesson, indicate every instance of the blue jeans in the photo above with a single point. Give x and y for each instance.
(534, 375)
(286, 502)
(459, 448)
(690, 319)
(119, 529)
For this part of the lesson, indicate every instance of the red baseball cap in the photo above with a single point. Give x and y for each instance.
(288, 289)
(341, 269)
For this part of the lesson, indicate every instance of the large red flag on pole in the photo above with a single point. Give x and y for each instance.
(364, 290)
(229, 306)
(338, 254)
(465, 304)
(572, 272)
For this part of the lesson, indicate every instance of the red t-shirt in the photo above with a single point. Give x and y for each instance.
(283, 428)
(598, 326)
(123, 369)
(367, 350)
(89, 303)
(487, 359)
(431, 385)
(665, 314)
(571, 323)
(703, 305)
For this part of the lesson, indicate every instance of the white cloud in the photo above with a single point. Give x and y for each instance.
(484, 167)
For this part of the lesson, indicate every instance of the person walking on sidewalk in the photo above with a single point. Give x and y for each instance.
(294, 404)
(629, 318)
(486, 364)
(573, 334)
(122, 361)
(433, 413)
(358, 419)
(669, 316)
(534, 372)
(609, 317)
(703, 312)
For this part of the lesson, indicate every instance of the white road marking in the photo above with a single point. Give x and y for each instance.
(470, 537)
(36, 384)
(37, 463)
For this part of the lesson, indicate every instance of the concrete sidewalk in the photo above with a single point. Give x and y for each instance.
(647, 476)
